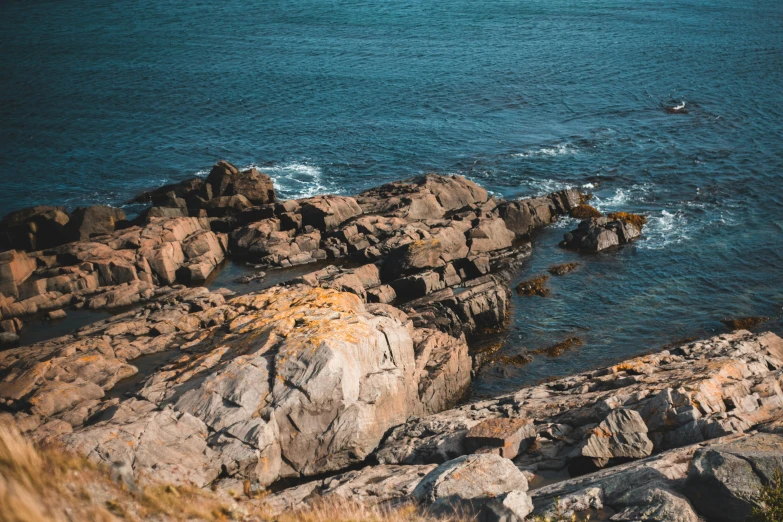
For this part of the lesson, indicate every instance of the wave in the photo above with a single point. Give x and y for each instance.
(564, 149)
(619, 198)
(665, 229)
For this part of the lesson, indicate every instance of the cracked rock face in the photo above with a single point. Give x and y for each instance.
(292, 381)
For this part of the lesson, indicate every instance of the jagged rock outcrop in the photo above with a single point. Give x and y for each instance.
(596, 234)
(696, 392)
(33, 228)
(96, 220)
(428, 236)
(111, 270)
(292, 381)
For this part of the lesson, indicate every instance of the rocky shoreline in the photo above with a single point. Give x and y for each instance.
(346, 381)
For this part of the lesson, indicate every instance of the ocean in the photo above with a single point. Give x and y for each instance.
(100, 100)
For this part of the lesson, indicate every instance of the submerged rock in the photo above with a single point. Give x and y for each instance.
(534, 286)
(744, 323)
(563, 269)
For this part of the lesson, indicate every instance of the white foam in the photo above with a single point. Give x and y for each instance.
(532, 188)
(621, 197)
(664, 229)
(564, 149)
(297, 180)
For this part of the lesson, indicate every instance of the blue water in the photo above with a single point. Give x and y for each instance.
(101, 99)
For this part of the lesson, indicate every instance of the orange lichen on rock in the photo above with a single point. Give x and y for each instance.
(584, 211)
(636, 220)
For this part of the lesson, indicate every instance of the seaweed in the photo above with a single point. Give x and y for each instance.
(744, 323)
(636, 220)
(557, 350)
(535, 286)
(563, 269)
(584, 211)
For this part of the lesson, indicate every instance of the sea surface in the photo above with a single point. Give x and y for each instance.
(102, 99)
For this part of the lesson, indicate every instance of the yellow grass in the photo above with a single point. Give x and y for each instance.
(50, 485)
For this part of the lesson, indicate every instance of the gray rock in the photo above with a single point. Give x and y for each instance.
(724, 481)
(467, 483)
(513, 506)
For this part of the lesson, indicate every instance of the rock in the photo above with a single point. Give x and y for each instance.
(523, 216)
(369, 486)
(162, 196)
(640, 490)
(255, 186)
(584, 211)
(56, 396)
(596, 234)
(15, 268)
(622, 434)
(145, 438)
(513, 506)
(56, 314)
(563, 269)
(226, 205)
(8, 339)
(725, 480)
(93, 221)
(466, 484)
(744, 323)
(335, 364)
(34, 228)
(328, 212)
(489, 235)
(689, 394)
(258, 276)
(510, 436)
(221, 177)
(535, 286)
(656, 502)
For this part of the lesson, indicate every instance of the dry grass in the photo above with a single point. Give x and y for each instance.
(534, 286)
(51, 485)
(584, 211)
(344, 511)
(635, 219)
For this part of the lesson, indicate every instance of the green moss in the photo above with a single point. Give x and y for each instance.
(534, 286)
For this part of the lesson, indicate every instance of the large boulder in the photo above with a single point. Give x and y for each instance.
(226, 180)
(15, 268)
(93, 221)
(466, 484)
(724, 481)
(328, 212)
(596, 234)
(622, 434)
(34, 228)
(295, 381)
